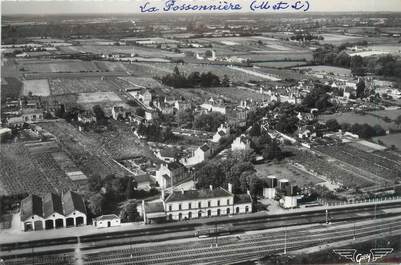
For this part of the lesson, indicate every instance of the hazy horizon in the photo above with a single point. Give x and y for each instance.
(97, 7)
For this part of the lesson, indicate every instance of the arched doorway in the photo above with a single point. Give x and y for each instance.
(180, 216)
(79, 220)
(49, 224)
(38, 225)
(70, 221)
(237, 210)
(59, 223)
(218, 212)
(170, 217)
(199, 214)
(28, 226)
(189, 215)
(209, 213)
(228, 211)
(246, 209)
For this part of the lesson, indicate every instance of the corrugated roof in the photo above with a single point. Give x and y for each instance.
(52, 204)
(73, 201)
(31, 205)
(197, 194)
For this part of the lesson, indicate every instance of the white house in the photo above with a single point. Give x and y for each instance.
(200, 154)
(108, 220)
(168, 174)
(241, 143)
(222, 131)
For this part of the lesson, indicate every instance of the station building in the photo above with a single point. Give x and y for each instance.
(189, 204)
(52, 211)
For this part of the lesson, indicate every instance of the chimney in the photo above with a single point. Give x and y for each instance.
(230, 187)
(182, 190)
(211, 187)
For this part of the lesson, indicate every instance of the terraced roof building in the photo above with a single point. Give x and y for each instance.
(52, 211)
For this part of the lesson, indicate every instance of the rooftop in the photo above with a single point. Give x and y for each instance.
(197, 194)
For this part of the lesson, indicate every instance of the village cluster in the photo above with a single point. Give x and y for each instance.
(210, 119)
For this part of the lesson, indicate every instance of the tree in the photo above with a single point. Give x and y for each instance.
(225, 82)
(95, 183)
(140, 112)
(255, 130)
(99, 113)
(360, 89)
(272, 151)
(333, 125)
(95, 204)
(208, 122)
(185, 117)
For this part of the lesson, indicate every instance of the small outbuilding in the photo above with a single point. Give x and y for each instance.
(107, 220)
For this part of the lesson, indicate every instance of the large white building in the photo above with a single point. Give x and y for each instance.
(52, 211)
(190, 204)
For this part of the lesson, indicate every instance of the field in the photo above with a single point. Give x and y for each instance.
(60, 86)
(281, 64)
(38, 87)
(327, 69)
(93, 152)
(57, 66)
(352, 117)
(139, 51)
(287, 171)
(378, 168)
(98, 97)
(38, 174)
(10, 87)
(329, 169)
(338, 39)
(390, 140)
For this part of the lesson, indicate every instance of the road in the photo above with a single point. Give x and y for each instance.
(231, 248)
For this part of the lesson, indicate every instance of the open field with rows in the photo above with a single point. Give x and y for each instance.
(60, 86)
(352, 117)
(38, 87)
(385, 169)
(287, 171)
(329, 169)
(281, 64)
(390, 140)
(338, 39)
(98, 97)
(108, 49)
(93, 152)
(38, 174)
(55, 66)
(328, 69)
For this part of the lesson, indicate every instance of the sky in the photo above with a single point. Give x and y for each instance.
(39, 7)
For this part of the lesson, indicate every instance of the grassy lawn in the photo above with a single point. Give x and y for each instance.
(287, 171)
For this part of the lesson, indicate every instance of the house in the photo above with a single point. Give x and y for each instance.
(145, 96)
(118, 113)
(168, 154)
(108, 220)
(199, 155)
(214, 106)
(143, 181)
(52, 211)
(182, 105)
(169, 174)
(222, 131)
(241, 143)
(190, 204)
(86, 117)
(151, 115)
